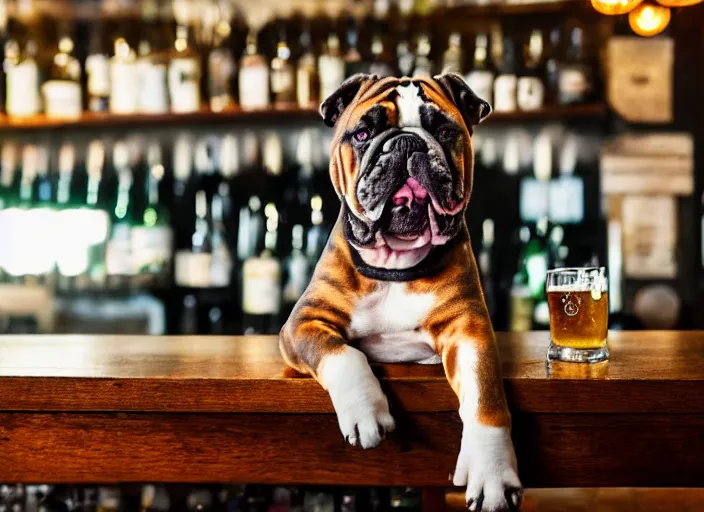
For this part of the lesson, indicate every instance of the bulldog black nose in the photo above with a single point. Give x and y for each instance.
(406, 144)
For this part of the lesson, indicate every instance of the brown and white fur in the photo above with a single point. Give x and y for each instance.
(385, 291)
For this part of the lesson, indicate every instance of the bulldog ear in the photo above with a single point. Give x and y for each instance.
(335, 104)
(474, 109)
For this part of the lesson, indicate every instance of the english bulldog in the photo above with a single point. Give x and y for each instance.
(398, 281)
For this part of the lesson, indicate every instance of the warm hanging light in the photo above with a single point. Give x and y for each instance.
(616, 7)
(679, 3)
(649, 19)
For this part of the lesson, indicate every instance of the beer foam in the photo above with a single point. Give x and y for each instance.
(575, 287)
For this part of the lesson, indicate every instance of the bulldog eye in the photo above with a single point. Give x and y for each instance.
(361, 135)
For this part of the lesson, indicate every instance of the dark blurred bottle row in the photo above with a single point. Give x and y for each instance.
(212, 498)
(178, 59)
(225, 220)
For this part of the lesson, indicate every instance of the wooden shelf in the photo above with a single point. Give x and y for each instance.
(67, 9)
(275, 115)
(205, 116)
(553, 112)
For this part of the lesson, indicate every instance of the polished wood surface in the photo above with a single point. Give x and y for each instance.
(648, 372)
(85, 409)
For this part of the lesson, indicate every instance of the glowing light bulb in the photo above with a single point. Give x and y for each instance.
(649, 19)
(615, 7)
(679, 3)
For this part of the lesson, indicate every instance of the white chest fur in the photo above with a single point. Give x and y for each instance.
(386, 324)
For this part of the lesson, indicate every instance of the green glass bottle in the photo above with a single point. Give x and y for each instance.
(119, 248)
(536, 258)
(152, 237)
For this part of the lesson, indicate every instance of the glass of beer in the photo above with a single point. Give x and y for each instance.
(579, 314)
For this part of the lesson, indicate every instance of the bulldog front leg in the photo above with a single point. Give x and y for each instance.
(313, 347)
(487, 462)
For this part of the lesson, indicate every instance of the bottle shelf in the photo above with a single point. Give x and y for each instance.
(273, 115)
(552, 112)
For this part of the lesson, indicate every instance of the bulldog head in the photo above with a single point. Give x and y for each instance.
(402, 163)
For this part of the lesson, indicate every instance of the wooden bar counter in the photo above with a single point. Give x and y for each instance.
(100, 409)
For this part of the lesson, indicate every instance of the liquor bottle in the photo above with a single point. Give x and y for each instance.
(40, 221)
(118, 258)
(200, 500)
(253, 77)
(261, 275)
(521, 303)
(188, 320)
(485, 265)
(506, 81)
(62, 91)
(22, 80)
(152, 237)
(15, 222)
(382, 62)
(221, 265)
(535, 196)
(251, 215)
(567, 191)
(229, 185)
(98, 71)
(552, 77)
(536, 260)
(221, 70)
(184, 74)
(96, 214)
(481, 78)
(307, 84)
(155, 498)
(531, 91)
(109, 499)
(331, 67)
(273, 164)
(574, 75)
(72, 253)
(283, 79)
(194, 261)
(152, 64)
(423, 65)
(297, 272)
(452, 59)
(353, 59)
(193, 265)
(406, 59)
(124, 79)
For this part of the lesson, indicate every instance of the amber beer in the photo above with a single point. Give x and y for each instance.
(579, 314)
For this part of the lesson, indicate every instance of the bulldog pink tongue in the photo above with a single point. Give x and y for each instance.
(408, 242)
(411, 191)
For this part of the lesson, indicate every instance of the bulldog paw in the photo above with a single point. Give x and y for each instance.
(487, 466)
(365, 421)
(361, 406)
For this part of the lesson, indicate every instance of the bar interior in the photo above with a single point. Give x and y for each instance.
(166, 194)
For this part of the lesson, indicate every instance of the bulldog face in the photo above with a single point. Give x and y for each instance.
(402, 163)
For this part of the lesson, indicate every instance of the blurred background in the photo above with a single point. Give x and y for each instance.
(163, 168)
